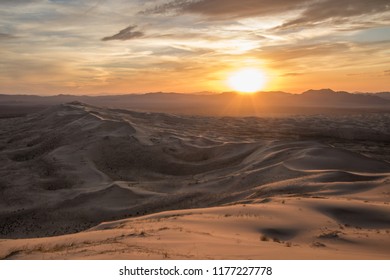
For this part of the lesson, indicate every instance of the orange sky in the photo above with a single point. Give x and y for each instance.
(93, 47)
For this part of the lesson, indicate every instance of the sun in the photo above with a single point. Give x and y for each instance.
(247, 80)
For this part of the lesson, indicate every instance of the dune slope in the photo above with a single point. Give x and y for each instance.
(82, 182)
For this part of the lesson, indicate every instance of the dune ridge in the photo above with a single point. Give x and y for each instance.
(83, 182)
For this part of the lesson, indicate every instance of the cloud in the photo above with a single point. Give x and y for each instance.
(5, 36)
(309, 13)
(125, 34)
(292, 74)
(325, 56)
(18, 2)
(291, 52)
(338, 11)
(231, 8)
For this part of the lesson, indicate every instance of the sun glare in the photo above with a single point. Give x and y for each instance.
(248, 80)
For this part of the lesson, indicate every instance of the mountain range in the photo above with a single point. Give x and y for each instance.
(228, 103)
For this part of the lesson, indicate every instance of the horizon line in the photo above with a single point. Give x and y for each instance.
(198, 93)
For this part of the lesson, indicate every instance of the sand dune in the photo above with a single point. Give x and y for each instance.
(83, 182)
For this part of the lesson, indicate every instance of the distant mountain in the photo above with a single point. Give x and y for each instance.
(227, 103)
(330, 98)
(385, 95)
(320, 91)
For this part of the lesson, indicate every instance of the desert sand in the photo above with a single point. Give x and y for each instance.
(84, 182)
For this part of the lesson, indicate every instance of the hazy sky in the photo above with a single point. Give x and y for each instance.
(126, 46)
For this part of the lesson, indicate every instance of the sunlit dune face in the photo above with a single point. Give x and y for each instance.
(248, 80)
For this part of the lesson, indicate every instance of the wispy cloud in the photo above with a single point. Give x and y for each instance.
(290, 52)
(228, 8)
(307, 12)
(4, 36)
(125, 34)
(338, 11)
(292, 74)
(19, 2)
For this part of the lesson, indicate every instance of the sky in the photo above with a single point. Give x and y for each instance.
(52, 47)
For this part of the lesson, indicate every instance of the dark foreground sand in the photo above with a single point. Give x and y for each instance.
(81, 182)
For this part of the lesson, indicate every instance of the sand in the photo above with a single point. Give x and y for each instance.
(83, 182)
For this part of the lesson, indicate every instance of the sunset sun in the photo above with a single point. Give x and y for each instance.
(247, 80)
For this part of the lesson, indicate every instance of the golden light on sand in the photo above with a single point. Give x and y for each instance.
(247, 80)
